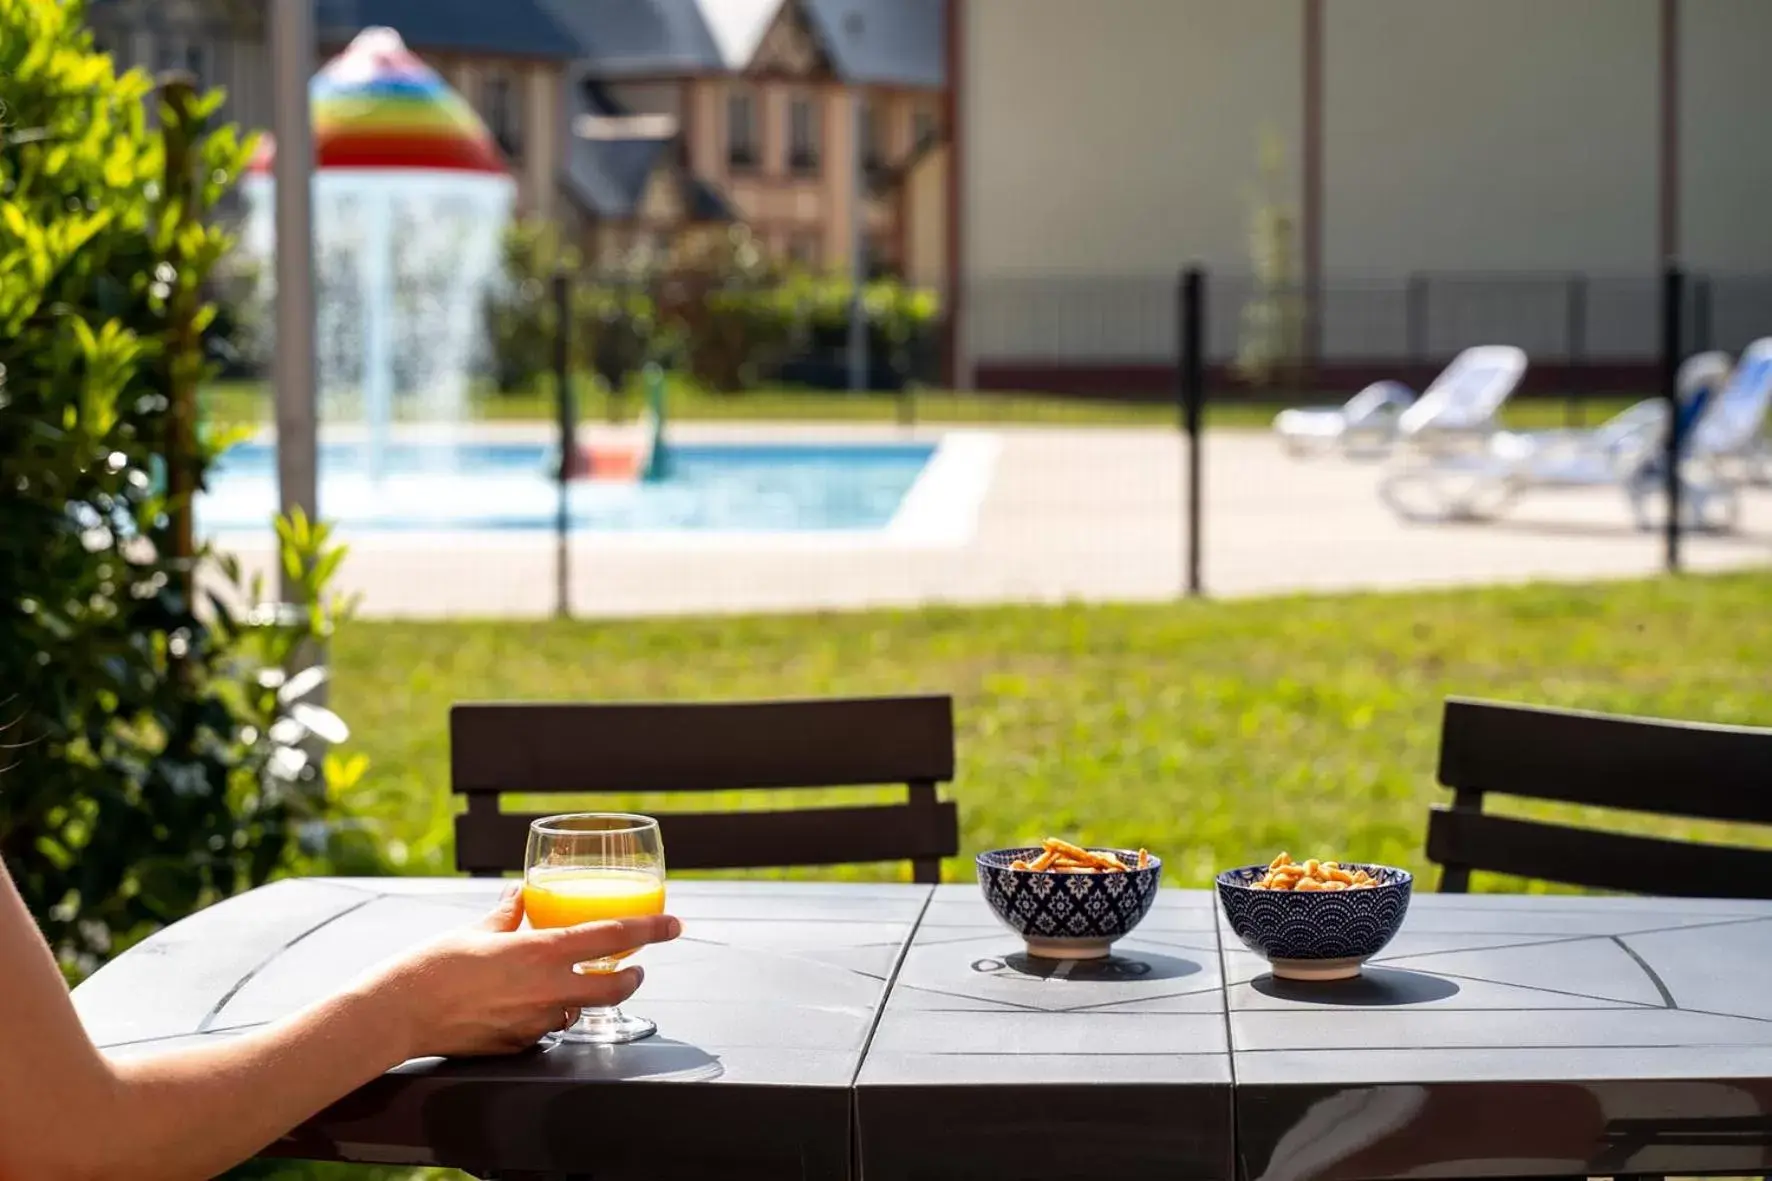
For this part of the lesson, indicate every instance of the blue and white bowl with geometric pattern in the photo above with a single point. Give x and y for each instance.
(1317, 934)
(1068, 916)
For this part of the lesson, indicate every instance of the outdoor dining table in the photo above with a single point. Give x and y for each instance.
(822, 1030)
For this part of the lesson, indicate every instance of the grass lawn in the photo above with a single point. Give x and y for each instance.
(1215, 733)
(248, 402)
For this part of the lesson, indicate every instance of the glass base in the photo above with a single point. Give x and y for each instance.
(605, 1027)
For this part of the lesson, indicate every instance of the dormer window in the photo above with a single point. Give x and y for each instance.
(805, 157)
(741, 131)
(504, 114)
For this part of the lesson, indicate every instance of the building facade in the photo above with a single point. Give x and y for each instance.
(635, 122)
(511, 67)
(691, 111)
(1546, 155)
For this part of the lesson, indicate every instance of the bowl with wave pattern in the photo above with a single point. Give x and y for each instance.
(1316, 934)
(1067, 916)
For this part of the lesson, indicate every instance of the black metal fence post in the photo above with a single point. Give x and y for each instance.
(568, 440)
(1575, 336)
(1672, 321)
(1190, 383)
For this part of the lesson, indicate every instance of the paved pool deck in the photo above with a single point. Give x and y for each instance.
(1083, 514)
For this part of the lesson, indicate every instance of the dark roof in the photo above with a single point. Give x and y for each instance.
(515, 28)
(622, 38)
(609, 176)
(880, 42)
(883, 42)
(706, 203)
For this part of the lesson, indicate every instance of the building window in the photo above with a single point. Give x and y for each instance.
(881, 260)
(504, 113)
(803, 137)
(741, 131)
(922, 127)
(806, 249)
(873, 150)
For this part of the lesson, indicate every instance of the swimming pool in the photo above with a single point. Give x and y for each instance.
(711, 488)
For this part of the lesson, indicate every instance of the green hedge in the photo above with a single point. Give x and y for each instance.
(719, 312)
(160, 756)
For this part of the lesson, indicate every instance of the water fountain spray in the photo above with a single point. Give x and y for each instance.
(411, 199)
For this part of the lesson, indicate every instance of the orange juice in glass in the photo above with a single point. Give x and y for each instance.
(567, 897)
(587, 867)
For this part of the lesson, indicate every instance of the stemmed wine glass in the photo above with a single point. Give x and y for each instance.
(586, 867)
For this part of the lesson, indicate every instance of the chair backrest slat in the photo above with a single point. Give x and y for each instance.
(1638, 764)
(1597, 860)
(748, 840)
(1634, 764)
(593, 749)
(722, 746)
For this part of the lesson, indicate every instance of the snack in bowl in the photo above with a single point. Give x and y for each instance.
(1067, 901)
(1283, 873)
(1063, 857)
(1317, 919)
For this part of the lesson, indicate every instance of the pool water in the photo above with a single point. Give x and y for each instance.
(710, 488)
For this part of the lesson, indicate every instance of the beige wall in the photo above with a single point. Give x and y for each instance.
(1117, 140)
(544, 134)
(1512, 135)
(1506, 135)
(926, 211)
(1726, 197)
(705, 119)
(1108, 143)
(839, 175)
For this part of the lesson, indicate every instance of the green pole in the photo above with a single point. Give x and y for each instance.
(658, 465)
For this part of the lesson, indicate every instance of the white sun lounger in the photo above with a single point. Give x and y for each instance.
(1461, 404)
(1365, 427)
(1616, 450)
(1480, 484)
(1722, 454)
(1443, 439)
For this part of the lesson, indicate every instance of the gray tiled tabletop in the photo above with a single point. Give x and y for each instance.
(1517, 1036)
(808, 1029)
(763, 1007)
(983, 1055)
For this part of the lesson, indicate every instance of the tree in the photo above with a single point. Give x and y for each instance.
(1272, 326)
(161, 754)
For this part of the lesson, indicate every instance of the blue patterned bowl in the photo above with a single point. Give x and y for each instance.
(1067, 916)
(1316, 935)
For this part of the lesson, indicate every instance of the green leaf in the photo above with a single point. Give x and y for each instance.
(144, 788)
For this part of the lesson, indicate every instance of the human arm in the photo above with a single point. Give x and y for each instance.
(67, 1113)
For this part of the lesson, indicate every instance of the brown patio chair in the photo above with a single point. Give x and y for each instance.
(1635, 764)
(591, 749)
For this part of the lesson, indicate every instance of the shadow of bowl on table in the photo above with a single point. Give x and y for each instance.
(1119, 966)
(1372, 988)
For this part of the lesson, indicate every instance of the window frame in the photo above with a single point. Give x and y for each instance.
(743, 154)
(805, 160)
(504, 117)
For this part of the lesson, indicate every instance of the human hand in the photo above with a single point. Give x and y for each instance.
(495, 989)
